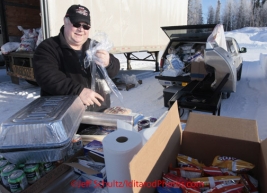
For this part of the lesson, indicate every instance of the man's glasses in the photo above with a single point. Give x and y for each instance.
(84, 26)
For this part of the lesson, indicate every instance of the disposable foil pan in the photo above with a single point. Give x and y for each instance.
(38, 155)
(47, 122)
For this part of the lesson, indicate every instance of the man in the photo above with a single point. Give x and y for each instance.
(58, 61)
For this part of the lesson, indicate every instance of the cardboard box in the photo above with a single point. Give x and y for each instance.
(205, 136)
(198, 70)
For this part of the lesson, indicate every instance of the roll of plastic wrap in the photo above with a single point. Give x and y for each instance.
(119, 148)
(97, 118)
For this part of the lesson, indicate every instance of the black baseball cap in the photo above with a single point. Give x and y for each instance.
(78, 13)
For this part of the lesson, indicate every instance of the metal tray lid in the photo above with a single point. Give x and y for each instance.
(47, 122)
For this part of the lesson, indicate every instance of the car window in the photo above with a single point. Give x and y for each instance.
(236, 45)
(230, 46)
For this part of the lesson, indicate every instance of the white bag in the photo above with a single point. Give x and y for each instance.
(28, 40)
(218, 36)
(9, 47)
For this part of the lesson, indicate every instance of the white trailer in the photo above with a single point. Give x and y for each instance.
(131, 25)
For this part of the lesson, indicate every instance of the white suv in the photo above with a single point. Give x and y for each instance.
(185, 39)
(234, 50)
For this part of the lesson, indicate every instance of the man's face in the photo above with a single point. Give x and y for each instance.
(75, 36)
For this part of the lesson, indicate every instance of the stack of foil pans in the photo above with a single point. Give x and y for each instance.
(42, 131)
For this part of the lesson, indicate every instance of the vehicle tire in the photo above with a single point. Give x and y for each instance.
(2, 61)
(239, 73)
(32, 82)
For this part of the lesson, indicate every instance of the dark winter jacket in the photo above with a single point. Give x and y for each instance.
(59, 71)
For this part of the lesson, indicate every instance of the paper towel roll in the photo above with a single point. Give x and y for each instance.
(119, 148)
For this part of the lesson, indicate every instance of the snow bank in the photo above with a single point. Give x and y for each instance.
(263, 62)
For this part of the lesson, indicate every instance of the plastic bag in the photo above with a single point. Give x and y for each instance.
(28, 40)
(127, 79)
(40, 36)
(100, 82)
(173, 66)
(9, 47)
(217, 36)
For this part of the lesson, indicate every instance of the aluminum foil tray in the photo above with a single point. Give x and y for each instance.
(38, 155)
(47, 122)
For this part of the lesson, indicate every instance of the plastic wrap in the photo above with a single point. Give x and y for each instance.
(47, 122)
(127, 79)
(100, 83)
(97, 118)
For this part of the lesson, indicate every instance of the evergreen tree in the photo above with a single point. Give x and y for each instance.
(217, 13)
(194, 12)
(235, 15)
(200, 17)
(240, 16)
(190, 12)
(210, 18)
(264, 15)
(227, 18)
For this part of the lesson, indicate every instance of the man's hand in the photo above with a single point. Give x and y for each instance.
(90, 97)
(102, 57)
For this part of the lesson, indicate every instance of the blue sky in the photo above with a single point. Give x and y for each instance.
(213, 3)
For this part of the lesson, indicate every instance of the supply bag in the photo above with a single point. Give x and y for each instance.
(100, 81)
(173, 65)
(28, 40)
(9, 47)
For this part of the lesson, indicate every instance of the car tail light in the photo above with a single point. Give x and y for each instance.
(161, 63)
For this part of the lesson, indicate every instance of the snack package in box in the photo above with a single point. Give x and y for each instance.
(216, 171)
(232, 164)
(186, 172)
(211, 182)
(186, 161)
(223, 188)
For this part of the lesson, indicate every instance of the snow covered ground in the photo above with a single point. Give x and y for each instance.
(248, 102)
